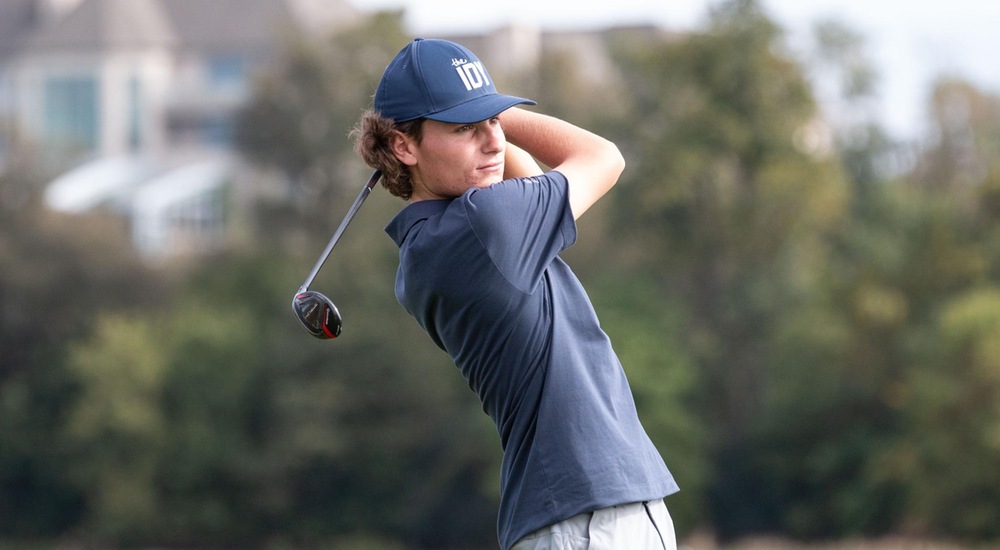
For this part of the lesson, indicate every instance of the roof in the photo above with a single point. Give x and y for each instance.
(16, 18)
(108, 24)
(226, 24)
(230, 24)
(199, 25)
(98, 182)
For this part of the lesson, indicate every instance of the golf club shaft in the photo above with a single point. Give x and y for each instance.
(340, 230)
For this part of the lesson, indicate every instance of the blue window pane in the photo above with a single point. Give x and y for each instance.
(227, 71)
(71, 114)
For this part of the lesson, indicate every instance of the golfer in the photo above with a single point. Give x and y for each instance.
(479, 271)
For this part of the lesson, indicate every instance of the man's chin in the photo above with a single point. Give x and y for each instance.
(491, 177)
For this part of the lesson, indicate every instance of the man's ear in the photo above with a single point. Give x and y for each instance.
(403, 147)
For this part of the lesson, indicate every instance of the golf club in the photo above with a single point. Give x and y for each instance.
(315, 311)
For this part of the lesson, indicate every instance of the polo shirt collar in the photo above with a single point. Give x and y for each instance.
(414, 213)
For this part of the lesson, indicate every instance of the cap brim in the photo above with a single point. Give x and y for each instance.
(480, 108)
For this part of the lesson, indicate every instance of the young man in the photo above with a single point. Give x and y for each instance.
(479, 271)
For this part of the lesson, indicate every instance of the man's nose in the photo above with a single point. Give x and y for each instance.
(494, 137)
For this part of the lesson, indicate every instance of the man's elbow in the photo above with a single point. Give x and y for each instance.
(619, 160)
(615, 162)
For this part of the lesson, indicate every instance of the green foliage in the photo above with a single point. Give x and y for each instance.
(121, 370)
(729, 216)
(951, 404)
(222, 420)
(843, 48)
(800, 308)
(812, 345)
(55, 272)
(645, 332)
(302, 112)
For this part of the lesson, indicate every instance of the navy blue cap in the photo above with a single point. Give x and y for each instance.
(439, 80)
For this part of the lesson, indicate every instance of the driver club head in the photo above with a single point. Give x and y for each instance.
(317, 314)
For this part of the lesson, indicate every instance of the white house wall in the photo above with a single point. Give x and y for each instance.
(154, 72)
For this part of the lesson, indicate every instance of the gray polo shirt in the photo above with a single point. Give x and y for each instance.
(482, 276)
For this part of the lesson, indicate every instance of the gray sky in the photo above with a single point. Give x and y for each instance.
(910, 41)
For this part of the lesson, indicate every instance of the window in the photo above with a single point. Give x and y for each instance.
(134, 114)
(71, 115)
(227, 71)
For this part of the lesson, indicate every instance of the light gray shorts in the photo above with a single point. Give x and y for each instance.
(637, 526)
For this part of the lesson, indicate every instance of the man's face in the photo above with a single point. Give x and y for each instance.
(452, 158)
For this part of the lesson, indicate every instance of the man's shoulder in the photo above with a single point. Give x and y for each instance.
(411, 215)
(516, 190)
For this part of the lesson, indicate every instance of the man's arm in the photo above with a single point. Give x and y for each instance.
(590, 163)
(518, 163)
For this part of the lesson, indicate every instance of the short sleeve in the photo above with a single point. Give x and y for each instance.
(523, 224)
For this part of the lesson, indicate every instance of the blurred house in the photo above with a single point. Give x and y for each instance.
(135, 101)
(132, 103)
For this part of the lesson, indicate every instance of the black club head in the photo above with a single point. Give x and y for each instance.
(317, 314)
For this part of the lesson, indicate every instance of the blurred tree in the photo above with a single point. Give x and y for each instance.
(949, 398)
(117, 426)
(647, 331)
(873, 340)
(811, 343)
(963, 148)
(726, 213)
(846, 83)
(840, 52)
(56, 273)
(835, 360)
(227, 424)
(952, 403)
(301, 113)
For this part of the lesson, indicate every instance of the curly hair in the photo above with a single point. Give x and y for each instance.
(372, 142)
